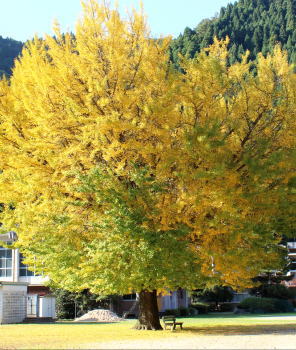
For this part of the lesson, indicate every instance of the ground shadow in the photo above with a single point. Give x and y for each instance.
(242, 330)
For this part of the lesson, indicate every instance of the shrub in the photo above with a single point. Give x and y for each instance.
(202, 308)
(192, 311)
(171, 312)
(258, 305)
(262, 305)
(226, 307)
(220, 307)
(284, 305)
(217, 294)
(184, 311)
(275, 290)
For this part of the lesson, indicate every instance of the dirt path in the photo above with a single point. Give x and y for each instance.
(266, 341)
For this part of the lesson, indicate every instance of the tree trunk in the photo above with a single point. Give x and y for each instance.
(148, 311)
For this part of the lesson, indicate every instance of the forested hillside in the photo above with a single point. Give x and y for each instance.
(256, 25)
(9, 50)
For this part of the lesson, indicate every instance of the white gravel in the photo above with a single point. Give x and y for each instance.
(99, 315)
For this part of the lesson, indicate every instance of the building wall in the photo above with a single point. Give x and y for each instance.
(13, 302)
(169, 301)
(172, 300)
(30, 279)
(291, 247)
(13, 306)
(38, 289)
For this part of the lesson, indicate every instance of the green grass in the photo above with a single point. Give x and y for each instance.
(65, 335)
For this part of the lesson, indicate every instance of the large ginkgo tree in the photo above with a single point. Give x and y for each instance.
(121, 174)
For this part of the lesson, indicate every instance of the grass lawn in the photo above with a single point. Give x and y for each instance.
(66, 335)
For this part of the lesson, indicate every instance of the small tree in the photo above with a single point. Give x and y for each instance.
(218, 294)
(69, 305)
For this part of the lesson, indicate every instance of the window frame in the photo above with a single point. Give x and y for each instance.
(6, 265)
(23, 268)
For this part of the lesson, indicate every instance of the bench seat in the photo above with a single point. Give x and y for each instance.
(171, 322)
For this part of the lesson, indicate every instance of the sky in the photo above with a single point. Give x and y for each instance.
(21, 19)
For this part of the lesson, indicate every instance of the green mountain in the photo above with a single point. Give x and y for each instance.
(254, 25)
(9, 50)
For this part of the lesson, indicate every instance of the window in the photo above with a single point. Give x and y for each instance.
(5, 262)
(130, 296)
(24, 272)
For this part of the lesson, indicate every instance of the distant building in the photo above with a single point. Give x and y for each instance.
(291, 246)
(39, 302)
(127, 304)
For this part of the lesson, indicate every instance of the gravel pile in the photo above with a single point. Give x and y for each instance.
(99, 315)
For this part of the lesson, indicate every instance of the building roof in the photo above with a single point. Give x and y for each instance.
(10, 236)
(291, 283)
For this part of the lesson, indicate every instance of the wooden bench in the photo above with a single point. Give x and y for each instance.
(171, 321)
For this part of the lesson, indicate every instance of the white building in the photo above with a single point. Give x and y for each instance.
(13, 299)
(13, 272)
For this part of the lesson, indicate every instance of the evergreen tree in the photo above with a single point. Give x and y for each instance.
(256, 25)
(9, 50)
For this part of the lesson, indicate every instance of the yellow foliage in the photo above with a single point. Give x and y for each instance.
(108, 97)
